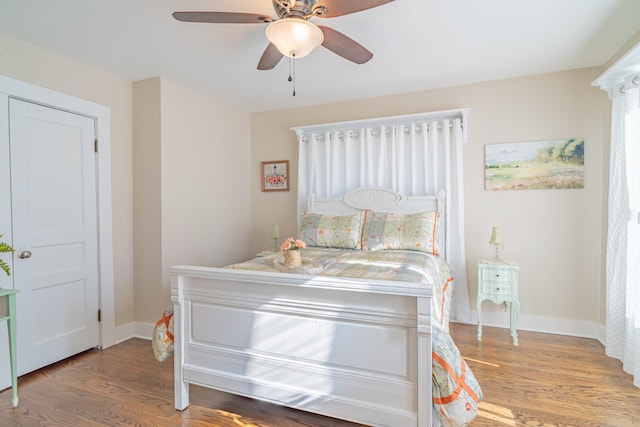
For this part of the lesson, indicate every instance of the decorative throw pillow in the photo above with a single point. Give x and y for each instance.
(332, 231)
(388, 230)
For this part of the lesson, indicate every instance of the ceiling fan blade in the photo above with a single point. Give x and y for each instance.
(341, 7)
(269, 58)
(344, 46)
(222, 17)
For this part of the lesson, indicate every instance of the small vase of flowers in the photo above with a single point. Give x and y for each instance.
(291, 250)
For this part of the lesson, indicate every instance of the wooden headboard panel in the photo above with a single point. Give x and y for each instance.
(384, 200)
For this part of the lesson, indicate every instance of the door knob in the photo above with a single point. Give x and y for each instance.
(24, 254)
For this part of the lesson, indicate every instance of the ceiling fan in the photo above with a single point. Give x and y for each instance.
(292, 34)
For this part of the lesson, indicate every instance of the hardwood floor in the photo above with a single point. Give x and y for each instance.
(125, 385)
(548, 380)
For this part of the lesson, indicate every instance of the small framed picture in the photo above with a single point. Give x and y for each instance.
(275, 175)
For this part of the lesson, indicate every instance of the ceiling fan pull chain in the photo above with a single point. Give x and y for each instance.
(292, 72)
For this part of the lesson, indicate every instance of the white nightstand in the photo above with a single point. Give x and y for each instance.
(498, 282)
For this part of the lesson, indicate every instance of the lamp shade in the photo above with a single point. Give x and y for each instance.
(294, 37)
(275, 232)
(496, 236)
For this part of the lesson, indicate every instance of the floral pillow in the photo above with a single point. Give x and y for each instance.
(332, 231)
(388, 230)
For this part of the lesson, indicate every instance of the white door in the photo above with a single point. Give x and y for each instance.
(54, 217)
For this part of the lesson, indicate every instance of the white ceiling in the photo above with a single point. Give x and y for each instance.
(417, 44)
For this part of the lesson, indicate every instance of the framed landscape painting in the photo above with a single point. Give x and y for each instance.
(275, 175)
(535, 165)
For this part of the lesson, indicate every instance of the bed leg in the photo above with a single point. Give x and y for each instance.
(180, 386)
(425, 394)
(182, 395)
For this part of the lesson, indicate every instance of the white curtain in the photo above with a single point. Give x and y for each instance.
(622, 339)
(415, 155)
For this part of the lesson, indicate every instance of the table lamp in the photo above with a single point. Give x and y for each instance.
(496, 241)
(275, 236)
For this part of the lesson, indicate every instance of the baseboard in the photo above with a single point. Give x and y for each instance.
(134, 330)
(549, 325)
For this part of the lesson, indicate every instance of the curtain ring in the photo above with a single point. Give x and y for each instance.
(635, 81)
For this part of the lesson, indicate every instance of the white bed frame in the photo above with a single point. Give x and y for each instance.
(347, 348)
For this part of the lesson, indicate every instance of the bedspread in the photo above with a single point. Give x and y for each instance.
(397, 265)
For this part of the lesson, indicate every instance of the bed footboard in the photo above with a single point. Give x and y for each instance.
(346, 348)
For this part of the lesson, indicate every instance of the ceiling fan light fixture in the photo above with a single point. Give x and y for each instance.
(294, 37)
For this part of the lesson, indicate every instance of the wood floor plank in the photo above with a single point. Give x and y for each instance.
(547, 380)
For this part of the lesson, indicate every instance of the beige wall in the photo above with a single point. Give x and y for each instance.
(554, 235)
(191, 184)
(147, 190)
(31, 64)
(191, 192)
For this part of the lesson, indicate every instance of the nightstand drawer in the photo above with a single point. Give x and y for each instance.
(496, 288)
(498, 274)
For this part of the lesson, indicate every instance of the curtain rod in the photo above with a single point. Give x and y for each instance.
(461, 113)
(628, 64)
(387, 130)
(635, 82)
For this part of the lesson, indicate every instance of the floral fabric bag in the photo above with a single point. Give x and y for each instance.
(162, 338)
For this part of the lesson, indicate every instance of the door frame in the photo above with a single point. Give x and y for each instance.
(11, 88)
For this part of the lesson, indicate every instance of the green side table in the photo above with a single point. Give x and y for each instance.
(10, 295)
